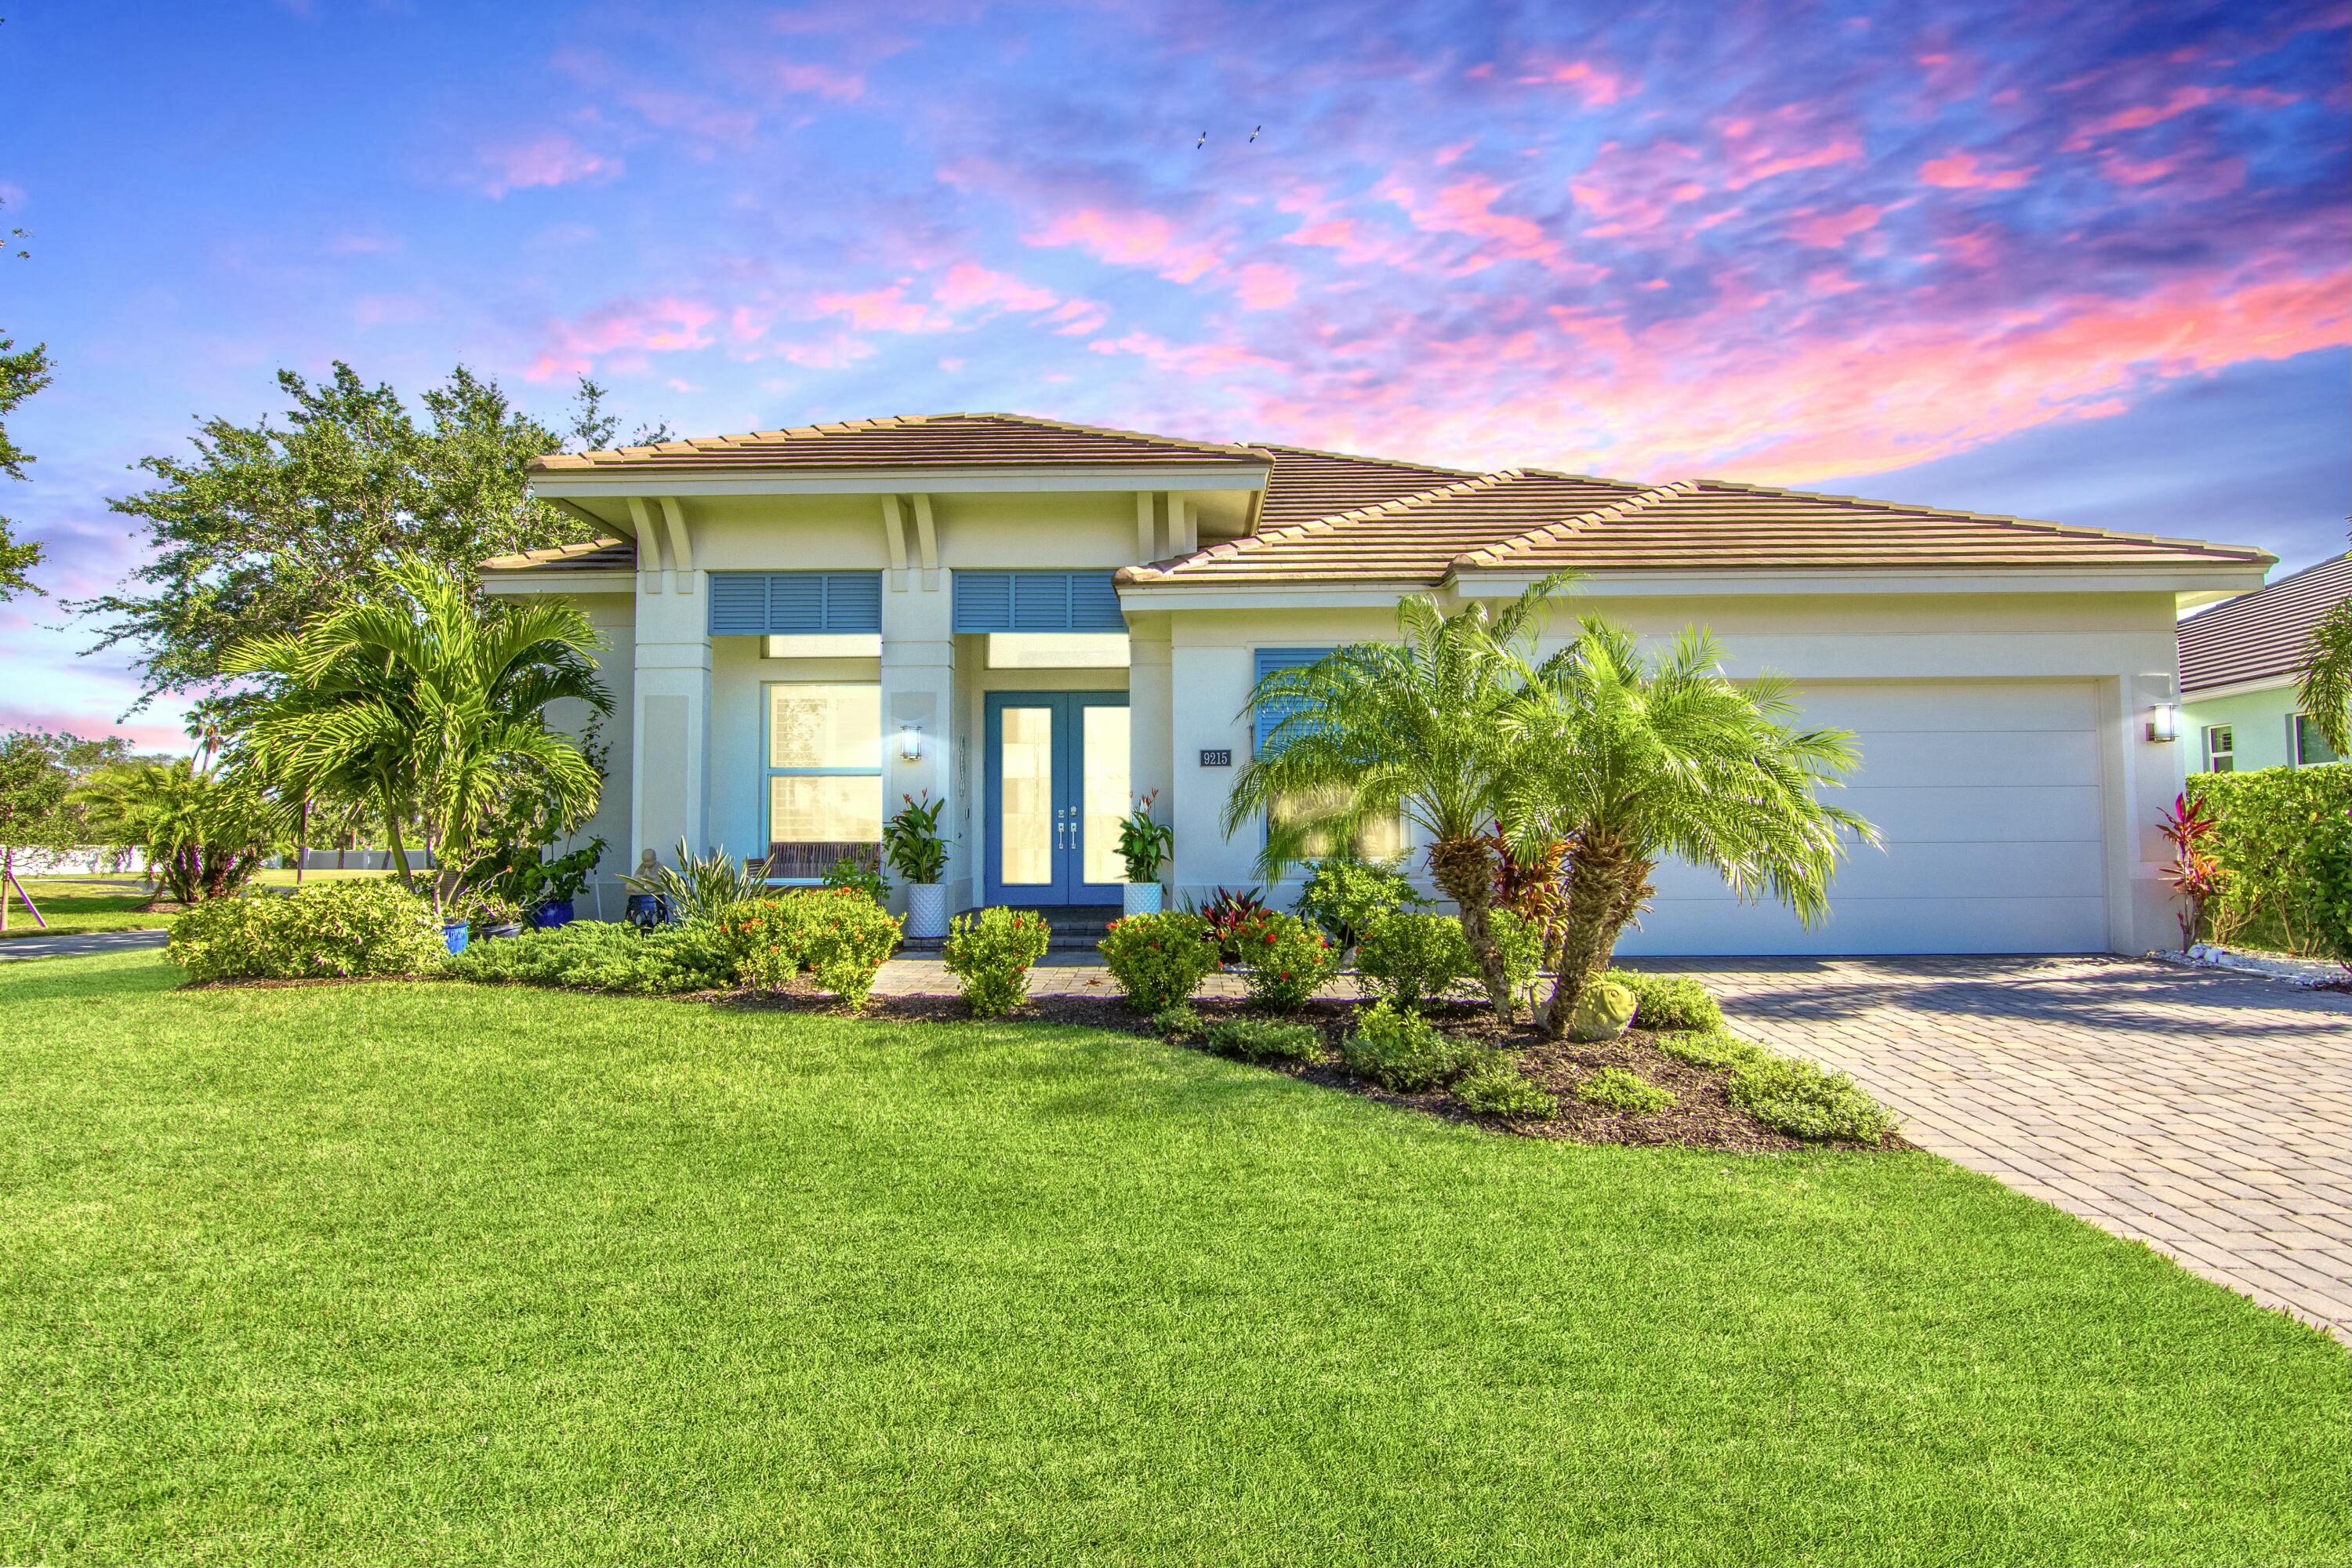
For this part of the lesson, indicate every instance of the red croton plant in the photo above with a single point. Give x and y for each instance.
(2194, 874)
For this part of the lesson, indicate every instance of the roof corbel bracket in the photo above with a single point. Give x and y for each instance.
(653, 556)
(926, 540)
(681, 549)
(894, 536)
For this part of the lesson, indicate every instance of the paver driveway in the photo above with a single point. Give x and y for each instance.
(2207, 1115)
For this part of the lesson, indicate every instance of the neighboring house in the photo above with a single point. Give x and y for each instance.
(1042, 620)
(2241, 667)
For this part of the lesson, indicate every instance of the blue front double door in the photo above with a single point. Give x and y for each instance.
(1058, 786)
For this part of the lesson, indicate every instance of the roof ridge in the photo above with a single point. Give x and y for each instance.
(1152, 436)
(688, 446)
(1497, 553)
(1999, 520)
(1264, 539)
(1278, 447)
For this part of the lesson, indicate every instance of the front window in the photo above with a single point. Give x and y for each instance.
(824, 776)
(2221, 748)
(2311, 748)
(1381, 838)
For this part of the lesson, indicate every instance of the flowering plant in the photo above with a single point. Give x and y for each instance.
(1158, 960)
(990, 954)
(1289, 961)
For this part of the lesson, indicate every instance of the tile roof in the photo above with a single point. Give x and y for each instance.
(1538, 521)
(914, 441)
(1414, 537)
(1307, 484)
(591, 556)
(2262, 634)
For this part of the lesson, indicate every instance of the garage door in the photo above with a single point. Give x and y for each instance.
(1987, 794)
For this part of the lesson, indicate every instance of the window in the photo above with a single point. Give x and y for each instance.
(1376, 841)
(2221, 748)
(824, 776)
(2305, 746)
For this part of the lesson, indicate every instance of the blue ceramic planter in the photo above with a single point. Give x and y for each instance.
(548, 915)
(454, 935)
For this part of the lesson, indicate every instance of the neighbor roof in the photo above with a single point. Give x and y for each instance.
(914, 441)
(590, 555)
(2264, 634)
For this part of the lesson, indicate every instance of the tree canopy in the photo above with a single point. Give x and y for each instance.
(266, 526)
(23, 372)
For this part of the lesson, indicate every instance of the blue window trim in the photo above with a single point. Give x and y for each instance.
(780, 604)
(1035, 601)
(1269, 714)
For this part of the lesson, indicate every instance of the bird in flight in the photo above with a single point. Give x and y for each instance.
(1202, 142)
(1253, 133)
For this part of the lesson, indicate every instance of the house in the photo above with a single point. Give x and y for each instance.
(2242, 667)
(1042, 620)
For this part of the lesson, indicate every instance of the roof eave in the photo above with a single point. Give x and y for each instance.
(617, 480)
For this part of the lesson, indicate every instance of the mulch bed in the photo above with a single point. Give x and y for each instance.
(1702, 1116)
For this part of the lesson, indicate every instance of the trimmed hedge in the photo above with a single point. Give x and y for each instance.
(366, 926)
(2286, 846)
(598, 955)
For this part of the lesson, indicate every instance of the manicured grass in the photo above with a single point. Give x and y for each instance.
(72, 904)
(397, 1273)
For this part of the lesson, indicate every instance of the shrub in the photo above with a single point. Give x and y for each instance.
(1264, 1040)
(838, 934)
(848, 874)
(598, 955)
(1621, 1089)
(1713, 1049)
(1668, 1002)
(2280, 829)
(1345, 896)
(1227, 912)
(1412, 959)
(1520, 942)
(364, 926)
(1493, 1085)
(698, 886)
(912, 843)
(1400, 1050)
(1177, 1022)
(1289, 959)
(1802, 1101)
(990, 954)
(1158, 960)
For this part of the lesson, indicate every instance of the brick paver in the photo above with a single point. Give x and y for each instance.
(2207, 1115)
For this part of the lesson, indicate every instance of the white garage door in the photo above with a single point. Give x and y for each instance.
(1987, 794)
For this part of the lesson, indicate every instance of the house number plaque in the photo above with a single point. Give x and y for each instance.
(1220, 758)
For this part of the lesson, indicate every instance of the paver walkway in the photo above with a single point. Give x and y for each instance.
(75, 944)
(2207, 1115)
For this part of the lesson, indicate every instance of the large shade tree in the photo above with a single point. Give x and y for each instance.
(418, 696)
(1631, 759)
(1375, 731)
(23, 372)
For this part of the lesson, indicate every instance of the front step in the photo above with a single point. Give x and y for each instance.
(1073, 927)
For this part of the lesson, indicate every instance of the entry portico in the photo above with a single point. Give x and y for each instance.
(1041, 620)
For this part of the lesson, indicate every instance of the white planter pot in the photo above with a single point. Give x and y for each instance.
(926, 911)
(1139, 898)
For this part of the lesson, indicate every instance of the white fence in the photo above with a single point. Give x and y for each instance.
(90, 859)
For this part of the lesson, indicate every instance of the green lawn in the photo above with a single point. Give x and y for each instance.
(401, 1273)
(73, 904)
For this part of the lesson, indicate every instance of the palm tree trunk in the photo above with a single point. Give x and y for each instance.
(1465, 872)
(392, 838)
(302, 841)
(1598, 906)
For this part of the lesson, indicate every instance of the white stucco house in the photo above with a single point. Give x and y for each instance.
(1041, 620)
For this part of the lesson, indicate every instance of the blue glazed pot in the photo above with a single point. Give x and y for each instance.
(548, 915)
(645, 910)
(454, 935)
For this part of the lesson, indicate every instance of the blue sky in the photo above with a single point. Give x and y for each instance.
(2085, 262)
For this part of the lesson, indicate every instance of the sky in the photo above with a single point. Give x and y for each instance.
(2090, 262)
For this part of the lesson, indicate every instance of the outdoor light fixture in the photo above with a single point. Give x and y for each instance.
(911, 741)
(2164, 723)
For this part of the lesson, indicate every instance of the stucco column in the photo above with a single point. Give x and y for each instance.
(918, 697)
(1215, 682)
(1151, 705)
(2147, 776)
(669, 746)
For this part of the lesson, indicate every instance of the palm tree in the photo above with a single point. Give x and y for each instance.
(416, 697)
(1375, 731)
(2327, 679)
(206, 831)
(1632, 760)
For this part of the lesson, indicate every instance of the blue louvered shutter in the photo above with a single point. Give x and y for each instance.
(1005, 601)
(750, 604)
(1270, 714)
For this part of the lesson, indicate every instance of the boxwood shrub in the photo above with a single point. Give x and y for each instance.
(1410, 960)
(1668, 1002)
(1266, 1039)
(363, 926)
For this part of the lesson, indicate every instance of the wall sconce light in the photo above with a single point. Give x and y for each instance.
(2164, 723)
(910, 741)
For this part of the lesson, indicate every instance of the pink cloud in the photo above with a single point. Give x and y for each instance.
(626, 330)
(968, 286)
(1593, 87)
(1959, 172)
(825, 81)
(1830, 231)
(693, 114)
(1130, 239)
(1265, 286)
(1785, 141)
(1076, 318)
(885, 309)
(553, 159)
(2141, 116)
(1467, 208)
(1190, 359)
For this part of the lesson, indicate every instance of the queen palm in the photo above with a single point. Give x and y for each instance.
(1630, 759)
(417, 697)
(2326, 693)
(1377, 731)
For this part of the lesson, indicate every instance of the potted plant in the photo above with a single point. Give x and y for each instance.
(549, 886)
(912, 843)
(487, 914)
(1145, 846)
